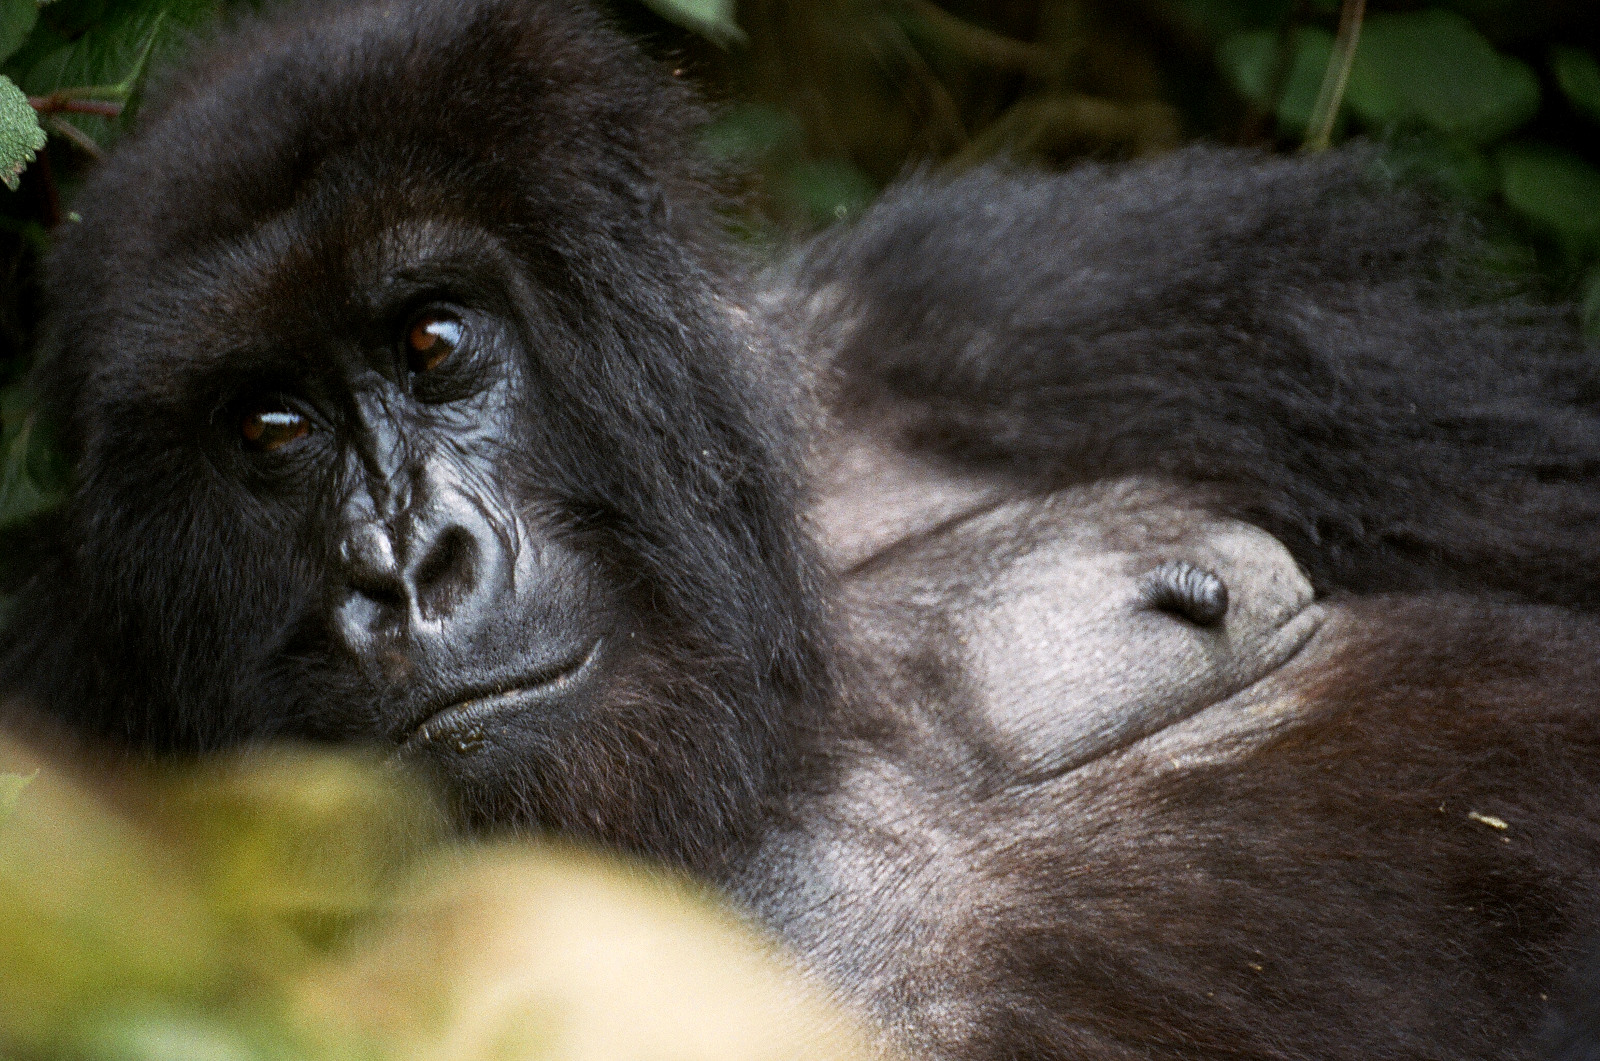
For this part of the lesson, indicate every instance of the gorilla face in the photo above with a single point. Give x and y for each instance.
(377, 448)
(387, 432)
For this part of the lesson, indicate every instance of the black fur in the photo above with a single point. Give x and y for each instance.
(1333, 358)
(1571, 1028)
(1339, 894)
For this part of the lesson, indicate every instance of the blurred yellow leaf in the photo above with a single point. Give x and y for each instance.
(546, 954)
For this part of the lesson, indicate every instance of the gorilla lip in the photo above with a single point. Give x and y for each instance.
(459, 717)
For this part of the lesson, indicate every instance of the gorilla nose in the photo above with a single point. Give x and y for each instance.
(423, 577)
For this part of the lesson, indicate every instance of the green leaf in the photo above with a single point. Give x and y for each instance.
(1249, 60)
(31, 472)
(20, 135)
(112, 54)
(1558, 192)
(828, 190)
(17, 19)
(1591, 305)
(709, 18)
(158, 1036)
(44, 39)
(11, 786)
(1431, 68)
(1456, 166)
(749, 133)
(1578, 74)
(1222, 17)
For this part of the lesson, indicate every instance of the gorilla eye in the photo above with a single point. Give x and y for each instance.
(431, 339)
(269, 424)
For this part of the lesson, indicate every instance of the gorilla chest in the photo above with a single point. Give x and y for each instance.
(1034, 664)
(1040, 634)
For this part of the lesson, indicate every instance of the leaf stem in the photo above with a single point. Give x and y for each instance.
(979, 44)
(73, 103)
(76, 137)
(1319, 132)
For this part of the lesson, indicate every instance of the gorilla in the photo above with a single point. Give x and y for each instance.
(1142, 612)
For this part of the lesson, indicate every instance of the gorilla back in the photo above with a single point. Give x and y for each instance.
(413, 401)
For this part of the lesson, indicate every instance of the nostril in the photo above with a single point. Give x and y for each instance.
(381, 588)
(373, 609)
(370, 569)
(446, 575)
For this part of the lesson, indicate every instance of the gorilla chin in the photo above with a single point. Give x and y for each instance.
(1088, 615)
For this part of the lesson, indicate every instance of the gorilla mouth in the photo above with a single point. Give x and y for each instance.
(462, 719)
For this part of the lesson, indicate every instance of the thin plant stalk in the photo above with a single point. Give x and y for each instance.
(1319, 133)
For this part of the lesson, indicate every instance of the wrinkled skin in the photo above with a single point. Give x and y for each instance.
(1000, 598)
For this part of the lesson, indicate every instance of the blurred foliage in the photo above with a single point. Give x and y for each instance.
(284, 907)
(300, 906)
(712, 18)
(31, 472)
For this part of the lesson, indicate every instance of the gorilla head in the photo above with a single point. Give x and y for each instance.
(406, 408)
